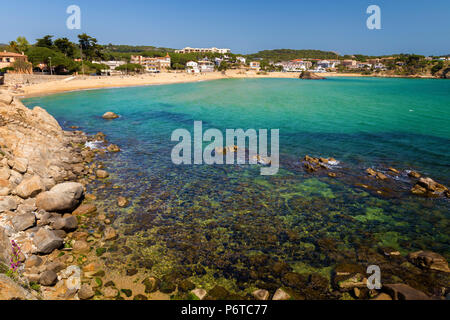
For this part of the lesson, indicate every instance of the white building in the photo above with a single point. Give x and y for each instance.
(206, 66)
(203, 50)
(326, 64)
(192, 67)
(112, 66)
(242, 60)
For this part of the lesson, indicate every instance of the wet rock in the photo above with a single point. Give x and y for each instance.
(131, 272)
(110, 115)
(294, 280)
(402, 291)
(102, 174)
(186, 286)
(48, 278)
(81, 246)
(217, 293)
(30, 187)
(429, 260)
(23, 221)
(280, 267)
(428, 185)
(110, 233)
(66, 224)
(122, 202)
(85, 292)
(110, 292)
(261, 294)
(151, 284)
(376, 174)
(199, 293)
(393, 170)
(62, 197)
(167, 286)
(46, 241)
(414, 174)
(113, 148)
(85, 209)
(140, 297)
(382, 296)
(281, 294)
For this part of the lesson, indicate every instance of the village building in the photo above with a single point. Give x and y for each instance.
(255, 65)
(351, 64)
(152, 65)
(7, 59)
(206, 66)
(192, 67)
(203, 50)
(112, 67)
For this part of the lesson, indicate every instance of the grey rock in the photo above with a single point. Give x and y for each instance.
(7, 204)
(67, 223)
(85, 292)
(48, 278)
(46, 241)
(23, 221)
(62, 197)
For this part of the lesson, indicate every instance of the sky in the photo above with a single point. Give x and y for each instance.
(244, 26)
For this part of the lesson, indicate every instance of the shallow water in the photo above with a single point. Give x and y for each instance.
(219, 217)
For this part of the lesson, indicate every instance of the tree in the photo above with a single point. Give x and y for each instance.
(65, 46)
(20, 45)
(223, 66)
(91, 49)
(13, 46)
(45, 42)
(130, 68)
(22, 66)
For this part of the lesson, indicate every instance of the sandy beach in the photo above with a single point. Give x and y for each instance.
(97, 82)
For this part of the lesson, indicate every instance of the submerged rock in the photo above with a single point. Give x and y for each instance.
(281, 294)
(429, 260)
(401, 291)
(110, 115)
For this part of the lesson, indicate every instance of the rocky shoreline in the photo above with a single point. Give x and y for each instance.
(54, 240)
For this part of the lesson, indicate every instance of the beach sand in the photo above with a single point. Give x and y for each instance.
(97, 82)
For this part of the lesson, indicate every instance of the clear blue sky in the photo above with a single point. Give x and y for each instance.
(245, 26)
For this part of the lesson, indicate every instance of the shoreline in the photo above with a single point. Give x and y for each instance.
(98, 82)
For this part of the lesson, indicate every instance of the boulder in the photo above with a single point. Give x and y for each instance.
(5, 173)
(110, 115)
(30, 188)
(46, 241)
(62, 197)
(429, 260)
(102, 174)
(261, 294)
(122, 202)
(85, 292)
(414, 174)
(9, 290)
(67, 224)
(199, 293)
(281, 294)
(5, 247)
(113, 148)
(85, 209)
(7, 204)
(401, 291)
(33, 261)
(6, 98)
(48, 278)
(110, 233)
(23, 221)
(20, 165)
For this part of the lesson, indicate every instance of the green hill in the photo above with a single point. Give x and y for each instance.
(291, 54)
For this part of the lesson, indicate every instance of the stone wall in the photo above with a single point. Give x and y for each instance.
(12, 79)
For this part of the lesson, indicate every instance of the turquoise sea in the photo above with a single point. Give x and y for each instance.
(217, 219)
